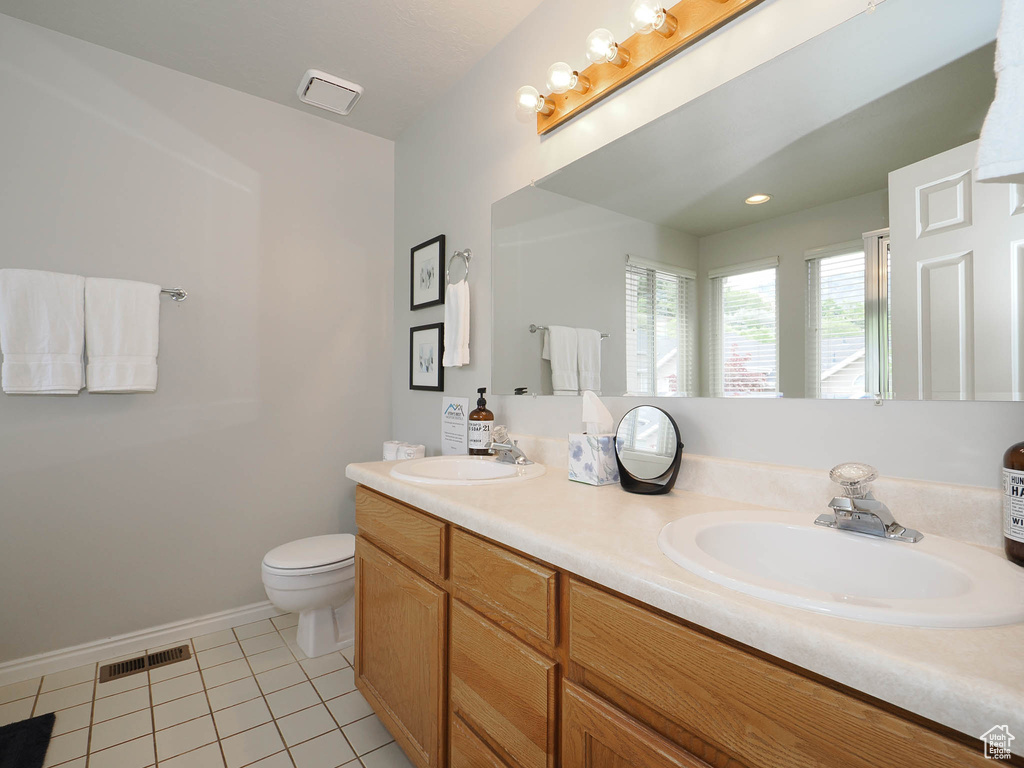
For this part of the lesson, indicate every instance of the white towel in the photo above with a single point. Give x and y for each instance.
(1001, 149)
(560, 348)
(122, 333)
(456, 325)
(42, 331)
(588, 356)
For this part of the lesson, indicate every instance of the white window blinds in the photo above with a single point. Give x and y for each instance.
(836, 348)
(660, 327)
(744, 339)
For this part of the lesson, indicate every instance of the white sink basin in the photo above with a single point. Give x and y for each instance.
(463, 470)
(783, 557)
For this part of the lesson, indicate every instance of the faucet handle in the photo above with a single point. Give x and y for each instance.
(854, 477)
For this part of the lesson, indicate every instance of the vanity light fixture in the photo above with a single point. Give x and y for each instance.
(562, 78)
(602, 48)
(530, 102)
(758, 199)
(646, 16)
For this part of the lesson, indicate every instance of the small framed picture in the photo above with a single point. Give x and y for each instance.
(426, 281)
(426, 348)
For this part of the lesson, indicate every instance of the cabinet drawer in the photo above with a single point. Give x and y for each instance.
(411, 536)
(739, 703)
(503, 687)
(467, 751)
(505, 585)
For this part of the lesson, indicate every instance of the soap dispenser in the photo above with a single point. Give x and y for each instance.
(480, 422)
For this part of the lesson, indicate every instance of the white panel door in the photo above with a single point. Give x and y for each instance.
(957, 281)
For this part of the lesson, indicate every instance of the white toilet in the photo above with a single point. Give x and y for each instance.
(316, 578)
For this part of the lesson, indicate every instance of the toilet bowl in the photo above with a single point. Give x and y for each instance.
(315, 578)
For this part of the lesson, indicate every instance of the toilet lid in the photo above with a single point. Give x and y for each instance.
(313, 552)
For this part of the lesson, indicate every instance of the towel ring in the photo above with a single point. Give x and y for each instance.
(466, 256)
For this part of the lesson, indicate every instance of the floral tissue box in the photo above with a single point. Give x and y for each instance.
(592, 459)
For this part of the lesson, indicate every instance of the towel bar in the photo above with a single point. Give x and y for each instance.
(178, 294)
(535, 328)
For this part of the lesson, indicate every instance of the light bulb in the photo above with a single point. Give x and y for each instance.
(529, 102)
(646, 16)
(601, 48)
(562, 78)
(758, 199)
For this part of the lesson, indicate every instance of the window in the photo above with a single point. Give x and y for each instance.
(660, 314)
(744, 330)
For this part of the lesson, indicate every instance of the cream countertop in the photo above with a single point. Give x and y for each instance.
(967, 679)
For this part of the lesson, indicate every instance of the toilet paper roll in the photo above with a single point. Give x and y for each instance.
(409, 451)
(391, 450)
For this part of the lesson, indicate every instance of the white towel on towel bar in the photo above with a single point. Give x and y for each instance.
(1001, 148)
(560, 348)
(42, 331)
(589, 359)
(456, 325)
(122, 333)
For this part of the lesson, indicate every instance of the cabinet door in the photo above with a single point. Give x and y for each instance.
(597, 735)
(400, 651)
(467, 751)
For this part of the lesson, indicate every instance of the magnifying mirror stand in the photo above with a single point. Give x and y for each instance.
(661, 484)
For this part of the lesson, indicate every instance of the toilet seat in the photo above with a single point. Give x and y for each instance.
(315, 554)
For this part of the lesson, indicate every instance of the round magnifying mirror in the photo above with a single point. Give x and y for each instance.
(648, 450)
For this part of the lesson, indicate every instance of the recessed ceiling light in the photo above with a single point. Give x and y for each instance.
(757, 199)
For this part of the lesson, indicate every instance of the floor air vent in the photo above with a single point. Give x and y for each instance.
(119, 669)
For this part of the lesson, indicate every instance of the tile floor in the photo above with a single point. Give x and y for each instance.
(247, 697)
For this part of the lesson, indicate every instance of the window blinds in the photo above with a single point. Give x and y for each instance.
(660, 327)
(744, 332)
(836, 348)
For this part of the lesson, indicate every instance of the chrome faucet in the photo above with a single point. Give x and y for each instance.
(506, 450)
(858, 510)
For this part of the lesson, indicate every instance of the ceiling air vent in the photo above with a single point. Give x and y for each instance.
(119, 669)
(329, 92)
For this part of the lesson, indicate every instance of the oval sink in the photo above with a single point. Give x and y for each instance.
(463, 470)
(783, 557)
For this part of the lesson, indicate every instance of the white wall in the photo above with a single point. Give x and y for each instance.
(559, 261)
(121, 512)
(468, 151)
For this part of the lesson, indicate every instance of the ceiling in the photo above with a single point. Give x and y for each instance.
(405, 53)
(824, 123)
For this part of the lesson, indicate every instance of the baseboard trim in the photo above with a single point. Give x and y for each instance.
(28, 667)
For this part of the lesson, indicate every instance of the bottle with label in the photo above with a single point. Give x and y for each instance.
(480, 422)
(1013, 502)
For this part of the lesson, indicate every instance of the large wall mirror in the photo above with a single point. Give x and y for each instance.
(878, 266)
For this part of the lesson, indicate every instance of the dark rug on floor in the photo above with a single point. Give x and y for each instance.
(23, 744)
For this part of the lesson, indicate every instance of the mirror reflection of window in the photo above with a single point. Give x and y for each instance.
(837, 345)
(660, 329)
(744, 331)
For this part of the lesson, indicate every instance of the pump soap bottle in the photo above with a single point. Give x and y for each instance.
(480, 422)
(1013, 503)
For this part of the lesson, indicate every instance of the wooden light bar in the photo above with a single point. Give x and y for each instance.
(696, 18)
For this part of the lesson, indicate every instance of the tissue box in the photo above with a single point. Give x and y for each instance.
(592, 459)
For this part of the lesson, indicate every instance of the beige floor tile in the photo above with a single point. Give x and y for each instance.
(64, 698)
(67, 747)
(282, 677)
(121, 704)
(79, 763)
(390, 756)
(349, 708)
(72, 719)
(132, 754)
(122, 684)
(249, 746)
(276, 657)
(336, 683)
(222, 654)
(121, 729)
(180, 710)
(367, 734)
(233, 693)
(177, 669)
(305, 724)
(212, 640)
(204, 757)
(324, 665)
(256, 628)
(288, 620)
(241, 717)
(13, 711)
(185, 737)
(290, 636)
(226, 673)
(350, 654)
(327, 751)
(20, 690)
(280, 760)
(83, 674)
(253, 645)
(284, 702)
(176, 688)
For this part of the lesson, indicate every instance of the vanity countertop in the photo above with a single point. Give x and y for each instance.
(967, 679)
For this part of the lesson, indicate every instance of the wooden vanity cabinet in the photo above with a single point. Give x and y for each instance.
(477, 656)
